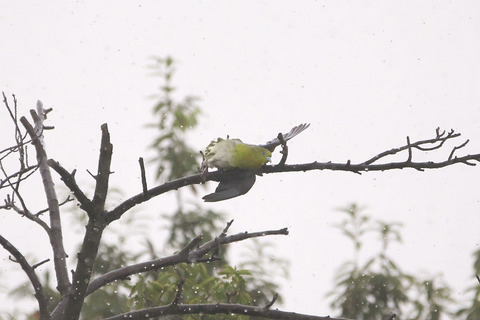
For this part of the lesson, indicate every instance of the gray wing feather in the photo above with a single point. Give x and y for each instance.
(272, 144)
(231, 188)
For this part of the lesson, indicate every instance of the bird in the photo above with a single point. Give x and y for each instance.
(242, 160)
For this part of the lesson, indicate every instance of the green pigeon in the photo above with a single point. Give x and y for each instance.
(243, 160)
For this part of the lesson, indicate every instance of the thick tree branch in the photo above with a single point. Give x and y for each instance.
(117, 212)
(217, 308)
(30, 271)
(93, 234)
(71, 183)
(56, 238)
(103, 175)
(83, 271)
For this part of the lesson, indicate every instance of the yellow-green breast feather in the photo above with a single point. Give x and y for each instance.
(246, 156)
(233, 153)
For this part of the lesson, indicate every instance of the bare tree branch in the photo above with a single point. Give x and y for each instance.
(117, 212)
(437, 142)
(68, 199)
(15, 192)
(94, 230)
(365, 166)
(217, 308)
(30, 271)
(456, 148)
(20, 174)
(198, 253)
(70, 182)
(10, 205)
(56, 238)
(19, 137)
(103, 174)
(190, 254)
(358, 168)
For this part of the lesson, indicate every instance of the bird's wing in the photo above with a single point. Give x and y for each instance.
(272, 144)
(232, 187)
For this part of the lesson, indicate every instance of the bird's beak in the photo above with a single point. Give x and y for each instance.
(269, 159)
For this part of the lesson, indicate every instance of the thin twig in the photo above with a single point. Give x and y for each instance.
(39, 213)
(284, 151)
(10, 205)
(225, 230)
(40, 263)
(409, 150)
(439, 138)
(274, 298)
(15, 189)
(92, 175)
(144, 178)
(456, 148)
(178, 296)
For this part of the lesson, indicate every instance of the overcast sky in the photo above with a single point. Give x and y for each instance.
(365, 74)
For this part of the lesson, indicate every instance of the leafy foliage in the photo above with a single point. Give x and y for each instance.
(378, 289)
(472, 312)
(175, 158)
(113, 298)
(212, 282)
(192, 284)
(184, 225)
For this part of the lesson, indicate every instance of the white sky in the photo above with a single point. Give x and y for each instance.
(365, 74)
